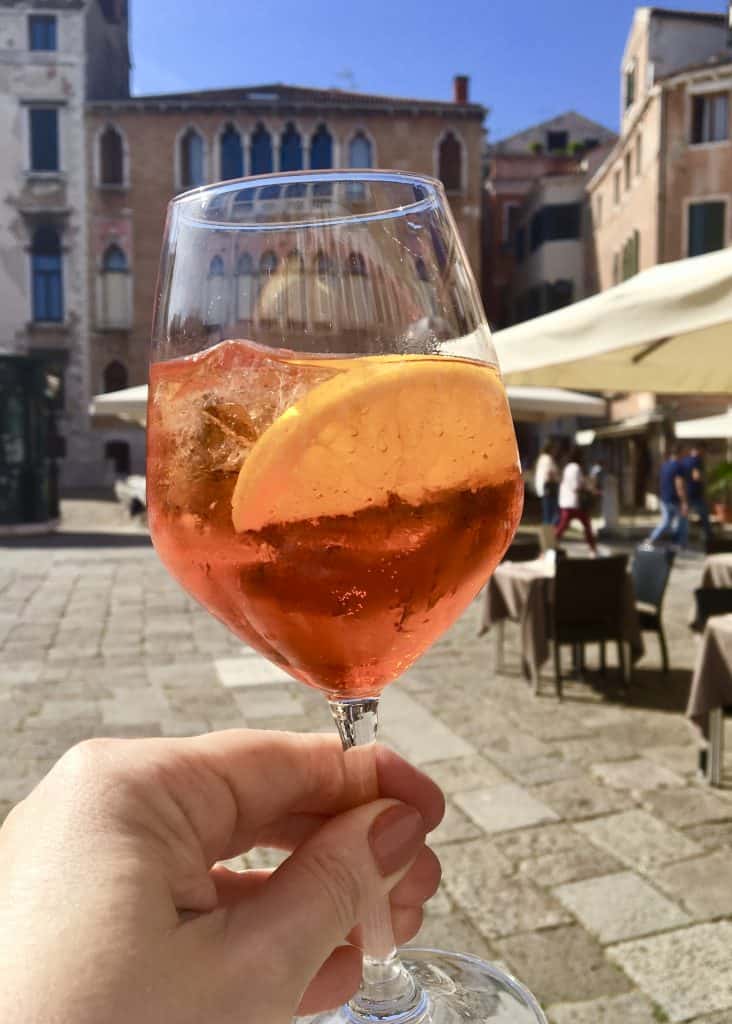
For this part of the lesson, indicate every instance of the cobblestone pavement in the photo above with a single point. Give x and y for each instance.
(578, 847)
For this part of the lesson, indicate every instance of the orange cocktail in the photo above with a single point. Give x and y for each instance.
(338, 514)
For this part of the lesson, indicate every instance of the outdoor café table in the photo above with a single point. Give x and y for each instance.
(717, 571)
(521, 591)
(711, 689)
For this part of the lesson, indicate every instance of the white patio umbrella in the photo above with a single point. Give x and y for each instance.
(668, 329)
(129, 404)
(534, 405)
(527, 404)
(706, 428)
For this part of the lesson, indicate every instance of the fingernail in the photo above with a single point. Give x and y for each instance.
(395, 838)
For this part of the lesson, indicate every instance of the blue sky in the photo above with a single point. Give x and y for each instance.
(528, 59)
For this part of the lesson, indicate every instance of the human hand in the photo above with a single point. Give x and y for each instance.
(113, 909)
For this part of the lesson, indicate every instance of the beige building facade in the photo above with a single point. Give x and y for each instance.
(664, 193)
(143, 150)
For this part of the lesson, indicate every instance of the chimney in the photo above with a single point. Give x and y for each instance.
(460, 85)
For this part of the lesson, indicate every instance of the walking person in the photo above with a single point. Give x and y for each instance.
(573, 490)
(693, 468)
(546, 483)
(674, 501)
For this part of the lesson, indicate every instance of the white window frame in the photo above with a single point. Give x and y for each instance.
(101, 326)
(190, 125)
(360, 130)
(717, 197)
(706, 89)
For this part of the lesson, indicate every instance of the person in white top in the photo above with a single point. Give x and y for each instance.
(571, 488)
(546, 483)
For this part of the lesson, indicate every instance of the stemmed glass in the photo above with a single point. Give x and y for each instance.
(332, 468)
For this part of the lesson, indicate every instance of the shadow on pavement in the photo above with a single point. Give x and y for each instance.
(78, 539)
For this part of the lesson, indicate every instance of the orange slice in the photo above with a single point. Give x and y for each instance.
(410, 427)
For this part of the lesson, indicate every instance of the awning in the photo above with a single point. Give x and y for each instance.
(668, 329)
(527, 404)
(706, 427)
(623, 428)
(536, 404)
(129, 404)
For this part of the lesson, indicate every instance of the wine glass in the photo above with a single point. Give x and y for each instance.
(332, 468)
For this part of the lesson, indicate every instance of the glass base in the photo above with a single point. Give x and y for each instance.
(456, 988)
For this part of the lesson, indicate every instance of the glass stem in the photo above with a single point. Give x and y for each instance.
(387, 989)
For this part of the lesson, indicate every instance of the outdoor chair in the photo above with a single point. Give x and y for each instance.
(588, 608)
(523, 549)
(710, 601)
(718, 546)
(651, 571)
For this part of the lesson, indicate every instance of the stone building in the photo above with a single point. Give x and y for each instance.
(665, 190)
(143, 150)
(43, 237)
(514, 165)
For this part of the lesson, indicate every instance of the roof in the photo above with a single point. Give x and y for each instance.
(665, 12)
(717, 61)
(281, 97)
(570, 119)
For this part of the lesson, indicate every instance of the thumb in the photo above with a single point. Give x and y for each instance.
(322, 891)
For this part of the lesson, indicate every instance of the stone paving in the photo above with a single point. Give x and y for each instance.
(578, 847)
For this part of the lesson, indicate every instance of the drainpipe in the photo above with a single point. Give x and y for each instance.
(661, 196)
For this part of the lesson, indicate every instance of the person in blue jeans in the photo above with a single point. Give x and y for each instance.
(674, 501)
(693, 466)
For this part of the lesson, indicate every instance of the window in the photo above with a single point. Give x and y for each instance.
(232, 154)
(590, 142)
(710, 118)
(48, 300)
(554, 223)
(638, 154)
(557, 142)
(321, 149)
(260, 152)
(559, 294)
(290, 149)
(357, 290)
(360, 151)
(631, 256)
(191, 159)
(111, 157)
(450, 166)
(42, 32)
(113, 10)
(627, 170)
(511, 213)
(114, 290)
(616, 187)
(268, 263)
(44, 139)
(216, 293)
(115, 376)
(245, 287)
(706, 227)
(629, 87)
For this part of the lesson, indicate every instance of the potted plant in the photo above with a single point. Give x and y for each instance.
(720, 483)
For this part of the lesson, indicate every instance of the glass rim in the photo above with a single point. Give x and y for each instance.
(435, 193)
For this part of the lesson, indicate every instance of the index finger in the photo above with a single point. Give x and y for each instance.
(271, 775)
